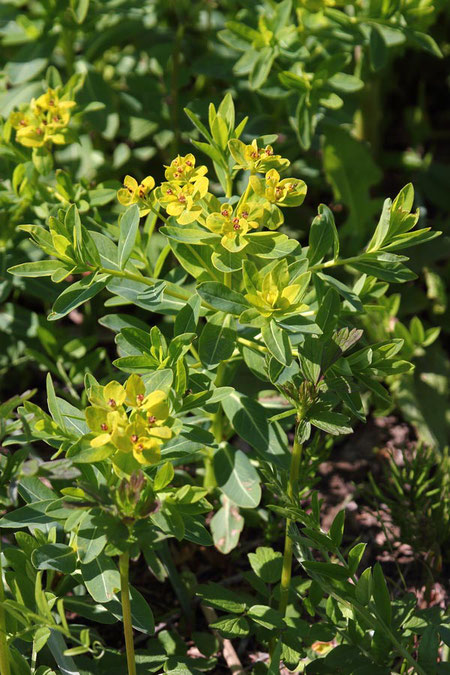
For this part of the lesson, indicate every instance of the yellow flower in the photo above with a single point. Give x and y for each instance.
(44, 120)
(137, 193)
(233, 225)
(273, 295)
(110, 397)
(254, 159)
(182, 170)
(182, 201)
(145, 449)
(286, 192)
(106, 425)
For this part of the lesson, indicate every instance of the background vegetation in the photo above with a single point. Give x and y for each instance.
(353, 94)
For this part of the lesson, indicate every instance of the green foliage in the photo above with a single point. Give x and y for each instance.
(194, 322)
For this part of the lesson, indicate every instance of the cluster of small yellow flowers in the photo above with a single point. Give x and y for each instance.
(272, 295)
(182, 200)
(182, 170)
(233, 224)
(184, 195)
(254, 159)
(129, 419)
(285, 192)
(137, 193)
(43, 121)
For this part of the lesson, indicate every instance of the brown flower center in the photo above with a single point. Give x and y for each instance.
(133, 438)
(104, 427)
(112, 403)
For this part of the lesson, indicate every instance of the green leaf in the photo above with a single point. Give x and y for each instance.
(429, 649)
(384, 266)
(33, 515)
(217, 340)
(363, 587)
(220, 597)
(305, 122)
(101, 578)
(343, 290)
(424, 41)
(266, 616)
(381, 595)
(129, 225)
(42, 268)
(226, 526)
(336, 531)
(231, 626)
(377, 49)
(187, 318)
(141, 614)
(354, 556)
(163, 477)
(57, 557)
(292, 81)
(322, 236)
(237, 478)
(328, 312)
(330, 422)
(277, 342)
(266, 564)
(222, 298)
(382, 229)
(79, 9)
(271, 245)
(346, 83)
(91, 537)
(262, 67)
(329, 570)
(74, 296)
(52, 402)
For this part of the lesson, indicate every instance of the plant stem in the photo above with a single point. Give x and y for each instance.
(4, 658)
(124, 565)
(288, 544)
(229, 186)
(334, 263)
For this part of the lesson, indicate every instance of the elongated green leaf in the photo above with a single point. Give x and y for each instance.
(42, 268)
(222, 298)
(222, 598)
(262, 67)
(129, 224)
(59, 557)
(322, 236)
(237, 478)
(381, 594)
(53, 403)
(331, 570)
(277, 342)
(74, 296)
(218, 340)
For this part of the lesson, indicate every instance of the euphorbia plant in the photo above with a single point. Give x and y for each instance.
(241, 295)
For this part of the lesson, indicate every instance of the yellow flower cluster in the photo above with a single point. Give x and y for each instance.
(129, 419)
(184, 195)
(43, 121)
